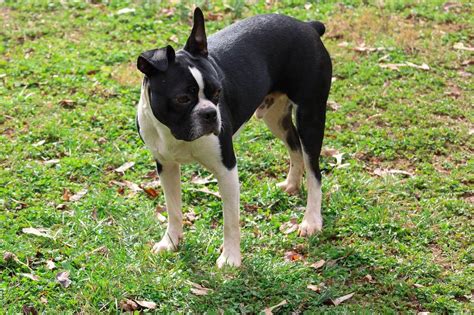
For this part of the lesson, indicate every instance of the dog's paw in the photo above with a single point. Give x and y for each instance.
(288, 187)
(166, 244)
(232, 260)
(310, 227)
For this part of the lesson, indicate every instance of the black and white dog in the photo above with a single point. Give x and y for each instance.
(195, 100)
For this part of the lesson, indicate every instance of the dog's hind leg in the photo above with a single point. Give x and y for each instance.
(276, 112)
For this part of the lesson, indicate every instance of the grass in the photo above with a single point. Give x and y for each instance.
(68, 90)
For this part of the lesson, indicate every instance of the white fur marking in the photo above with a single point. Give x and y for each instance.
(312, 220)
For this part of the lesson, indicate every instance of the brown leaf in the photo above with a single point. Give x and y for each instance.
(78, 195)
(61, 206)
(397, 66)
(50, 162)
(8, 256)
(174, 38)
(329, 152)
(198, 289)
(209, 192)
(67, 103)
(383, 172)
(289, 227)
(203, 181)
(158, 210)
(39, 143)
(128, 305)
(146, 304)
(63, 278)
(130, 185)
(448, 6)
(342, 299)
(151, 192)
(319, 264)
(29, 309)
(37, 231)
(43, 300)
(293, 256)
(269, 310)
(66, 194)
(417, 285)
(124, 167)
(50, 264)
(369, 278)
(333, 105)
(30, 276)
(316, 288)
(460, 46)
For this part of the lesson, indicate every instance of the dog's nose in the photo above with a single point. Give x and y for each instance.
(208, 114)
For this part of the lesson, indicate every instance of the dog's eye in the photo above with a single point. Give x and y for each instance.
(182, 99)
(216, 94)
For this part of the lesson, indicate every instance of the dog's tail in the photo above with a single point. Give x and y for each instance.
(318, 26)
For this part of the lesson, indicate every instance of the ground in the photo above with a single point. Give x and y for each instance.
(397, 208)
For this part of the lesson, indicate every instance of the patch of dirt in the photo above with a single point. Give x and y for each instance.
(127, 74)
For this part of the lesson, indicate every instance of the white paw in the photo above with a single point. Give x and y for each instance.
(232, 259)
(310, 227)
(166, 244)
(288, 187)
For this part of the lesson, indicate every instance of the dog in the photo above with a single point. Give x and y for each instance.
(195, 100)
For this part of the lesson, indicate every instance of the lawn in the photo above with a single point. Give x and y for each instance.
(76, 233)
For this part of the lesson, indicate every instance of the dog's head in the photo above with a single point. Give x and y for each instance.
(184, 87)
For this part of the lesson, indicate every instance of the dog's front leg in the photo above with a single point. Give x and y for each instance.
(171, 183)
(229, 189)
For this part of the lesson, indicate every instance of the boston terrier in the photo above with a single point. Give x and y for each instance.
(195, 100)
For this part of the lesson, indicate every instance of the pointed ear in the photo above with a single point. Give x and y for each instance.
(197, 41)
(155, 60)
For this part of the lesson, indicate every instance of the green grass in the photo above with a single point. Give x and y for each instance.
(412, 235)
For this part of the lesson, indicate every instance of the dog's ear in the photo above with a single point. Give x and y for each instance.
(152, 61)
(197, 41)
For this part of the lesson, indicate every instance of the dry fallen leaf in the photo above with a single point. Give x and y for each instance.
(289, 227)
(448, 6)
(39, 143)
(78, 195)
(130, 185)
(128, 305)
(37, 231)
(342, 299)
(50, 264)
(316, 288)
(460, 46)
(369, 278)
(67, 103)
(293, 256)
(333, 105)
(269, 310)
(203, 181)
(29, 309)
(146, 304)
(158, 210)
(125, 11)
(198, 289)
(30, 276)
(8, 256)
(209, 192)
(329, 152)
(50, 162)
(63, 278)
(151, 192)
(397, 66)
(43, 300)
(61, 206)
(417, 285)
(319, 264)
(382, 172)
(124, 167)
(174, 38)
